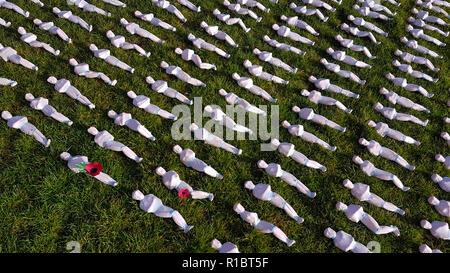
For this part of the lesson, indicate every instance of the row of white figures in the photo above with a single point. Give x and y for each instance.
(211, 139)
(418, 33)
(383, 130)
(257, 71)
(143, 102)
(188, 158)
(87, 7)
(284, 31)
(67, 15)
(363, 23)
(8, 5)
(421, 49)
(443, 182)
(444, 160)
(52, 29)
(375, 6)
(343, 73)
(214, 31)
(409, 58)
(105, 54)
(299, 131)
(348, 43)
(7, 82)
(150, 17)
(247, 83)
(180, 74)
(308, 114)
(294, 21)
(64, 86)
(342, 56)
(202, 44)
(359, 33)
(83, 70)
(135, 29)
(162, 87)
(241, 11)
(8, 54)
(223, 119)
(282, 46)
(325, 84)
(425, 16)
(407, 68)
(119, 41)
(431, 6)
(421, 23)
(376, 149)
(189, 55)
(402, 82)
(233, 99)
(391, 113)
(317, 98)
(227, 19)
(21, 123)
(308, 12)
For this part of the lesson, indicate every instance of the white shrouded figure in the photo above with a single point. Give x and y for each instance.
(180, 74)
(376, 7)
(363, 23)
(267, 56)
(227, 19)
(264, 192)
(299, 131)
(21, 123)
(187, 157)
(345, 241)
(134, 28)
(67, 14)
(355, 213)
(214, 31)
(262, 226)
(438, 229)
(247, 83)
(421, 23)
(125, 119)
(424, 248)
(414, 73)
(383, 130)
(424, 15)
(63, 86)
(343, 73)
(393, 2)
(116, 3)
(105, 54)
(376, 149)
(342, 56)
(402, 82)
(446, 137)
(366, 11)
(54, 30)
(441, 206)
(440, 3)
(189, 5)
(4, 23)
(219, 116)
(257, 70)
(120, 42)
(430, 5)
(241, 11)
(8, 54)
(308, 114)
(41, 104)
(418, 33)
(325, 84)
(233, 99)
(308, 12)
(282, 46)
(359, 33)
(348, 43)
(362, 193)
(391, 113)
(319, 4)
(444, 160)
(74, 161)
(7, 82)
(202, 44)
(275, 170)
(285, 31)
(189, 55)
(106, 140)
(8, 5)
(86, 7)
(162, 87)
(172, 181)
(31, 39)
(143, 102)
(82, 70)
(224, 248)
(211, 139)
(294, 21)
(370, 170)
(163, 4)
(421, 49)
(443, 182)
(407, 57)
(253, 4)
(150, 17)
(317, 98)
(152, 204)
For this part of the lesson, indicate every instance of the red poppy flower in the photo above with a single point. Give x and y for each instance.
(93, 169)
(183, 193)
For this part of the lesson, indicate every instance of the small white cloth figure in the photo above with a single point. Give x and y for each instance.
(83, 70)
(152, 204)
(105, 54)
(438, 229)
(134, 28)
(189, 55)
(282, 46)
(355, 213)
(393, 2)
(150, 17)
(67, 14)
(383, 130)
(73, 163)
(414, 73)
(227, 19)
(421, 23)
(342, 56)
(219, 116)
(162, 87)
(366, 11)
(299, 131)
(86, 7)
(317, 98)
(275, 170)
(125, 119)
(308, 114)
(391, 113)
(325, 84)
(233, 99)
(430, 5)
(348, 43)
(263, 226)
(319, 4)
(50, 27)
(189, 5)
(345, 241)
(225, 248)
(308, 12)
(285, 31)
(445, 160)
(106, 140)
(172, 181)
(359, 33)
(424, 15)
(211, 139)
(362, 193)
(202, 44)
(4, 23)
(363, 23)
(376, 149)
(143, 102)
(5, 81)
(163, 4)
(441, 206)
(407, 57)
(294, 21)
(31, 39)
(440, 3)
(21, 123)
(63, 86)
(402, 82)
(253, 4)
(8, 5)
(120, 42)
(267, 56)
(370, 170)
(247, 83)
(41, 104)
(343, 73)
(115, 3)
(444, 183)
(376, 7)
(180, 74)
(8, 54)
(187, 157)
(421, 49)
(264, 192)
(418, 33)
(241, 11)
(288, 149)
(426, 249)
(257, 70)
(446, 137)
(214, 31)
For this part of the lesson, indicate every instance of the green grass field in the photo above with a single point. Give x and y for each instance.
(44, 205)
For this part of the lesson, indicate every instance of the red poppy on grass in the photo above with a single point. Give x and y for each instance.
(183, 193)
(92, 169)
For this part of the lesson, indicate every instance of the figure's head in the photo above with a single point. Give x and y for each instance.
(275, 26)
(21, 31)
(292, 5)
(29, 97)
(351, 17)
(344, 25)
(222, 92)
(409, 28)
(247, 63)
(330, 50)
(160, 171)
(238, 208)
(266, 38)
(203, 24)
(357, 160)
(436, 178)
(410, 19)
(389, 76)
(56, 10)
(164, 64)
(178, 50)
(92, 131)
(329, 233)
(312, 79)
(123, 21)
(439, 158)
(445, 135)
(249, 185)
(93, 47)
(52, 80)
(341, 206)
(137, 13)
(149, 80)
(226, 2)
(305, 92)
(137, 195)
(296, 109)
(73, 62)
(425, 249)
(191, 37)
(37, 21)
(398, 52)
(425, 224)
(256, 51)
(371, 123)
(65, 156)
(348, 184)
(193, 127)
(339, 37)
(216, 12)
(131, 94)
(396, 63)
(262, 164)
(433, 200)
(283, 17)
(414, 11)
(275, 142)
(383, 91)
(403, 39)
(285, 124)
(378, 106)
(236, 76)
(110, 34)
(208, 108)
(177, 149)
(6, 115)
(363, 141)
(112, 114)
(356, 6)
(323, 61)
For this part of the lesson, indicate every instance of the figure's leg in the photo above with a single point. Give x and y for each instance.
(372, 224)
(379, 202)
(279, 202)
(61, 118)
(40, 137)
(15, 8)
(106, 179)
(383, 175)
(145, 132)
(282, 236)
(174, 10)
(324, 121)
(314, 139)
(262, 93)
(391, 155)
(21, 61)
(408, 117)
